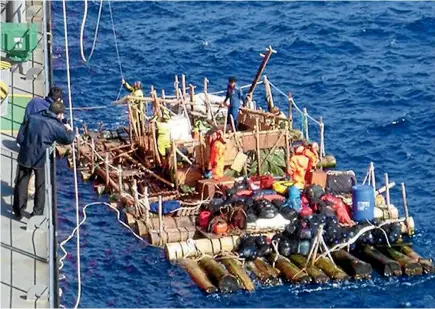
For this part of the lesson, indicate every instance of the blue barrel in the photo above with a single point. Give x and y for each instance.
(363, 203)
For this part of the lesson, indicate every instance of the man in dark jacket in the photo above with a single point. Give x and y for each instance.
(36, 134)
(38, 104)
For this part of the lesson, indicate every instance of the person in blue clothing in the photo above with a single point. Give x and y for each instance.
(38, 104)
(36, 134)
(235, 98)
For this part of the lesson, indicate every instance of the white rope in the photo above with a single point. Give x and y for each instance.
(63, 243)
(116, 41)
(82, 30)
(79, 283)
(294, 103)
(355, 238)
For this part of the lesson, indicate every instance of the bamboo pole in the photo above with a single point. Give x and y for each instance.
(233, 126)
(225, 124)
(130, 129)
(322, 139)
(156, 149)
(287, 152)
(141, 166)
(387, 191)
(183, 86)
(266, 57)
(136, 198)
(372, 169)
(120, 184)
(192, 96)
(307, 137)
(176, 83)
(163, 94)
(106, 165)
(147, 207)
(269, 97)
(174, 154)
(405, 207)
(160, 218)
(290, 112)
(92, 155)
(198, 275)
(183, 155)
(257, 143)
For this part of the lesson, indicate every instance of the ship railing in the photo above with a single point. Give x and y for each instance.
(51, 207)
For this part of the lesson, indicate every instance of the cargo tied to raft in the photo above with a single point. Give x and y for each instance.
(248, 195)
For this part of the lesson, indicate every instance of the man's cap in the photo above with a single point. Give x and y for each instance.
(57, 107)
(232, 79)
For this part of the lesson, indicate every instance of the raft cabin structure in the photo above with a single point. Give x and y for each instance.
(254, 223)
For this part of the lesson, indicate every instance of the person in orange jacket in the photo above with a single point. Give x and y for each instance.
(217, 154)
(299, 164)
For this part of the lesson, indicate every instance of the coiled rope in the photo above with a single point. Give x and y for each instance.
(82, 30)
(76, 191)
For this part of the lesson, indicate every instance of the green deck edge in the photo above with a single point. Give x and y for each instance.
(10, 123)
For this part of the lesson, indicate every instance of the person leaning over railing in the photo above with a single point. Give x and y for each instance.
(36, 134)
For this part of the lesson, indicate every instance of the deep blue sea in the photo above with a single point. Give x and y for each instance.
(367, 67)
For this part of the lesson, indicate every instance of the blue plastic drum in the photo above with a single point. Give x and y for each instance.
(363, 203)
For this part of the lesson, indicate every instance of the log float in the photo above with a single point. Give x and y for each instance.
(236, 269)
(198, 275)
(226, 282)
(265, 277)
(352, 265)
(409, 266)
(333, 271)
(263, 266)
(384, 265)
(427, 265)
(317, 274)
(290, 271)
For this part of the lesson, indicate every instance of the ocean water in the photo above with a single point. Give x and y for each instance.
(367, 67)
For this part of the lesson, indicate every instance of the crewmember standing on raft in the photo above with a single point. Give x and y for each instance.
(235, 97)
(136, 91)
(164, 137)
(299, 164)
(217, 155)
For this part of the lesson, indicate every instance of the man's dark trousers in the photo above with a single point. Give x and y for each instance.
(21, 190)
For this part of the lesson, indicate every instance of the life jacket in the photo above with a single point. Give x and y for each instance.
(299, 166)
